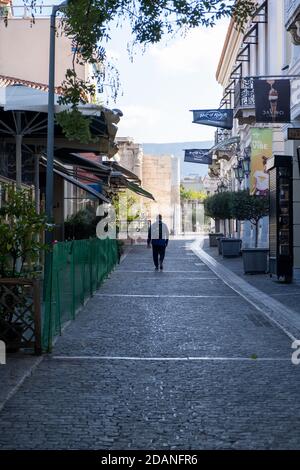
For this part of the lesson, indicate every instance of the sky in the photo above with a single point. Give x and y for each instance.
(162, 84)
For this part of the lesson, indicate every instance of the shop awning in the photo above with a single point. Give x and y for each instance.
(106, 170)
(23, 111)
(119, 181)
(83, 186)
(139, 190)
(61, 172)
(64, 156)
(127, 173)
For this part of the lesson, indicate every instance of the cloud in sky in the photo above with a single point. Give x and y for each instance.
(188, 54)
(151, 124)
(163, 84)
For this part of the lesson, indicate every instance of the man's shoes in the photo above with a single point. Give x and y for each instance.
(161, 267)
(156, 268)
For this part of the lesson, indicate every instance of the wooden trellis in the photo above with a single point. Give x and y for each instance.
(20, 311)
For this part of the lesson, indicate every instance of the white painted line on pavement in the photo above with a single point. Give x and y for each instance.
(290, 294)
(155, 272)
(183, 278)
(175, 359)
(168, 296)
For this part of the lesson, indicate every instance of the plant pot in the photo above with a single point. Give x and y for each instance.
(213, 238)
(11, 334)
(255, 260)
(219, 241)
(231, 247)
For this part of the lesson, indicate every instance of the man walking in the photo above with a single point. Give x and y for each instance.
(158, 236)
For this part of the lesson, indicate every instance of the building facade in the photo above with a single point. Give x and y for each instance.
(24, 51)
(291, 22)
(262, 50)
(160, 175)
(24, 70)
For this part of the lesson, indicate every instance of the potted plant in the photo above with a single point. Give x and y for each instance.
(219, 206)
(82, 224)
(252, 208)
(231, 247)
(20, 249)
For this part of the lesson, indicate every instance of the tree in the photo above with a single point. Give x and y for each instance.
(82, 224)
(219, 206)
(191, 195)
(88, 24)
(252, 208)
(20, 229)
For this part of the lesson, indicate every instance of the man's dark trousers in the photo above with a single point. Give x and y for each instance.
(158, 250)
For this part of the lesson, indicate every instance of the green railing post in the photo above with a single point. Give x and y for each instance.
(73, 285)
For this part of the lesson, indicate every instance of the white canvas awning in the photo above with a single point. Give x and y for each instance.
(23, 98)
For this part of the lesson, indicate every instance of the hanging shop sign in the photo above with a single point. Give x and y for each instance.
(261, 151)
(198, 156)
(272, 100)
(214, 117)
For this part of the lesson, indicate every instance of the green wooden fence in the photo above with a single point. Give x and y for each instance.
(77, 269)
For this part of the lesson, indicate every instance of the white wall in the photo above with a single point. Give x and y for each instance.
(24, 51)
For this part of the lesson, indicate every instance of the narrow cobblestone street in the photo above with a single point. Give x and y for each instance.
(161, 360)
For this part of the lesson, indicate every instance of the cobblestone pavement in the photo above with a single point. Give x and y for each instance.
(161, 360)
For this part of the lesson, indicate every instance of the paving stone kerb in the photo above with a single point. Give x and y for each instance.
(163, 372)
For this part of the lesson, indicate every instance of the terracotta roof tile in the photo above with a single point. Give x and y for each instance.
(6, 81)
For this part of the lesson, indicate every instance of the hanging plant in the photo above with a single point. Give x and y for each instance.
(76, 126)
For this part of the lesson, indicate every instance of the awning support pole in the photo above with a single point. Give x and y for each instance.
(37, 182)
(18, 138)
(50, 129)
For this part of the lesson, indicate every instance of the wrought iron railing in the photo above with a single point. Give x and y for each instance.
(221, 135)
(244, 93)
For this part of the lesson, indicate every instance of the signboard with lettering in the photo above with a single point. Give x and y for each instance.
(272, 100)
(198, 156)
(214, 117)
(261, 151)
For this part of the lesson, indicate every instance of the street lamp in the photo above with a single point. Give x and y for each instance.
(246, 162)
(222, 187)
(50, 129)
(239, 172)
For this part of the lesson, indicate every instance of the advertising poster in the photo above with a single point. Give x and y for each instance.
(272, 100)
(261, 151)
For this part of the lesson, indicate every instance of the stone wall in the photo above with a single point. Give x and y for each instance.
(160, 175)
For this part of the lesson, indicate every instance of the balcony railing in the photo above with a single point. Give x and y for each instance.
(221, 135)
(244, 94)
